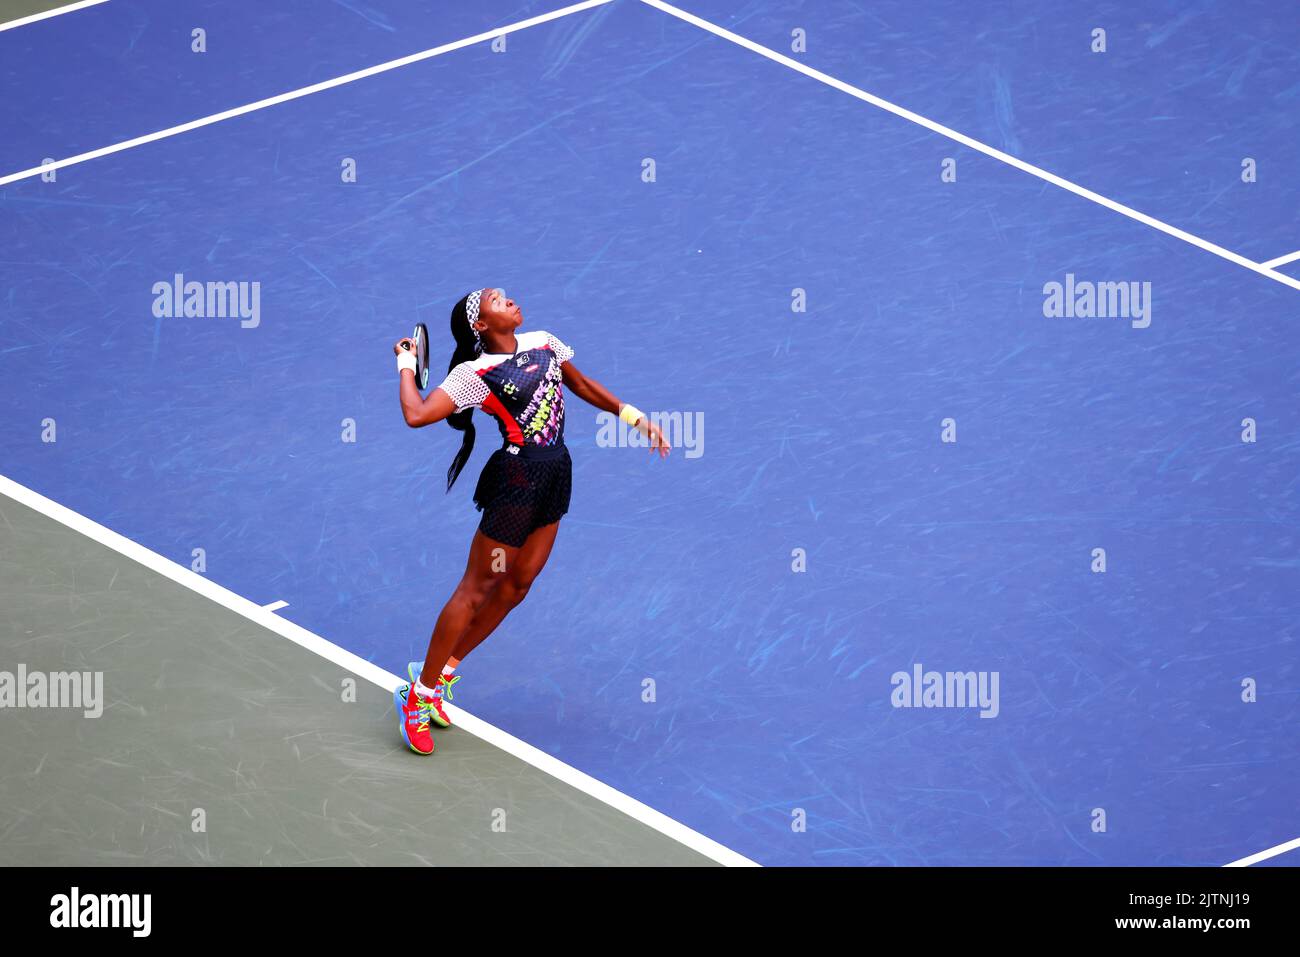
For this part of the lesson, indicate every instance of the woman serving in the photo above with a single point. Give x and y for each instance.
(518, 378)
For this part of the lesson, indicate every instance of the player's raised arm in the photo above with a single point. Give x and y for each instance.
(417, 410)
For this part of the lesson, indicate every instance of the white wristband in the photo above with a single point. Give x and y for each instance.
(405, 360)
(630, 414)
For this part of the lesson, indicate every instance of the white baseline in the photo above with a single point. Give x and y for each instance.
(373, 673)
(23, 21)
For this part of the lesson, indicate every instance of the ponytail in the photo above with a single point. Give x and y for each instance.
(467, 349)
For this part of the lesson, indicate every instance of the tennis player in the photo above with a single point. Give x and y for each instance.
(518, 378)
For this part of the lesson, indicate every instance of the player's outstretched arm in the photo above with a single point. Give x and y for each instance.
(593, 393)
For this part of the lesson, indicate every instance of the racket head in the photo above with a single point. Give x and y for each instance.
(421, 339)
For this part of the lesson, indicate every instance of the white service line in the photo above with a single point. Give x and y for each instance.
(965, 140)
(304, 91)
(1282, 260)
(1265, 855)
(372, 673)
(276, 605)
(23, 21)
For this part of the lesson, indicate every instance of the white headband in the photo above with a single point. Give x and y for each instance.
(471, 309)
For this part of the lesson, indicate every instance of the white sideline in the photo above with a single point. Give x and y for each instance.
(1265, 855)
(23, 21)
(301, 92)
(1263, 270)
(373, 673)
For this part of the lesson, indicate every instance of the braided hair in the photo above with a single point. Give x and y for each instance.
(468, 347)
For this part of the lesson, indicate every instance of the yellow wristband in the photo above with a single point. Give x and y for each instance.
(630, 414)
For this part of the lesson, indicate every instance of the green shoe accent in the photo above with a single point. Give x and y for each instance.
(446, 685)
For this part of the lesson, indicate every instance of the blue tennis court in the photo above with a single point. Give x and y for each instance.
(892, 460)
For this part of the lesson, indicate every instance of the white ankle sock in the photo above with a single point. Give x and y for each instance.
(421, 690)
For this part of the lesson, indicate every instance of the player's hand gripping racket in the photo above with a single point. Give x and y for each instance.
(420, 343)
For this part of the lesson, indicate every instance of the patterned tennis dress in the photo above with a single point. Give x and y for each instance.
(526, 483)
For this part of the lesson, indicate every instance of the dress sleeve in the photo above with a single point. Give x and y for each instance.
(465, 387)
(562, 352)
